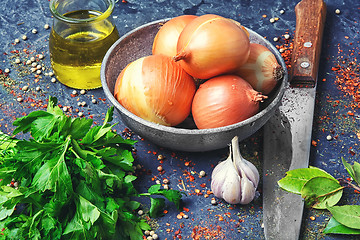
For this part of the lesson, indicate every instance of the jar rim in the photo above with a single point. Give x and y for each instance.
(102, 16)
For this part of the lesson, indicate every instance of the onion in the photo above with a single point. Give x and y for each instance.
(156, 89)
(166, 38)
(211, 45)
(261, 70)
(242, 27)
(224, 100)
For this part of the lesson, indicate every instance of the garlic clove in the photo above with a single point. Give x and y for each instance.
(248, 168)
(247, 190)
(218, 168)
(250, 171)
(219, 176)
(231, 187)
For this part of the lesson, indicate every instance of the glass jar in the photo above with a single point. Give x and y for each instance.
(81, 34)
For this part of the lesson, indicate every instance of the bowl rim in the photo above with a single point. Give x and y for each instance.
(185, 131)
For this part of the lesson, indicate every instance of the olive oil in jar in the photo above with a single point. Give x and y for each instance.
(77, 50)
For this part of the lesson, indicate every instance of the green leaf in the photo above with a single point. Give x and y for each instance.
(144, 225)
(51, 227)
(154, 188)
(98, 132)
(129, 178)
(31, 156)
(95, 133)
(75, 227)
(9, 198)
(295, 179)
(42, 128)
(79, 127)
(111, 180)
(334, 227)
(108, 223)
(320, 192)
(109, 115)
(122, 158)
(24, 124)
(347, 215)
(157, 206)
(133, 205)
(91, 193)
(349, 168)
(173, 196)
(6, 142)
(5, 212)
(54, 174)
(34, 232)
(111, 205)
(130, 229)
(88, 211)
(53, 108)
(353, 170)
(6, 174)
(356, 168)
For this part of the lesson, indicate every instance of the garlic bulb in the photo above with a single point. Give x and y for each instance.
(235, 180)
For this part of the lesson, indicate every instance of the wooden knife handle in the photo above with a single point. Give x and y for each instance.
(310, 21)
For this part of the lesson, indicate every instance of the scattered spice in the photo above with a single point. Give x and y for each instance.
(199, 232)
(348, 79)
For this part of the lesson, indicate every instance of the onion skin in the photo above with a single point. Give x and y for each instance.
(241, 26)
(261, 70)
(156, 89)
(166, 39)
(211, 45)
(224, 100)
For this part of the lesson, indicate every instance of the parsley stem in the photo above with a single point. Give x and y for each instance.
(145, 194)
(77, 149)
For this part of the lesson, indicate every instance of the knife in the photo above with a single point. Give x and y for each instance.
(287, 135)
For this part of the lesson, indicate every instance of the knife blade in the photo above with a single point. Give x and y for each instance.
(287, 135)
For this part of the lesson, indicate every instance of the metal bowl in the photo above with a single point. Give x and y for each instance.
(185, 137)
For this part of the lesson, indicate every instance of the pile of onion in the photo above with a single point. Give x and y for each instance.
(212, 49)
(224, 100)
(156, 89)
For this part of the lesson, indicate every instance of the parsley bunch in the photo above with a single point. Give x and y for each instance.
(72, 180)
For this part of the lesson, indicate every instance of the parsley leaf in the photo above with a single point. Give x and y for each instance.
(70, 180)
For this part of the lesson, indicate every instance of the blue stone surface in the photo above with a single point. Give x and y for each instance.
(20, 17)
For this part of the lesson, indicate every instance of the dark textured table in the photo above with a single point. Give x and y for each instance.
(337, 112)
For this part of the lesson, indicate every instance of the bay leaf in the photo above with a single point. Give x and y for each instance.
(353, 170)
(295, 179)
(348, 168)
(356, 168)
(348, 215)
(334, 227)
(320, 192)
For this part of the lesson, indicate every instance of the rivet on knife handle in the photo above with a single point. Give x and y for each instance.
(307, 42)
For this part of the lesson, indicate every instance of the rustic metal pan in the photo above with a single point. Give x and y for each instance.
(138, 43)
